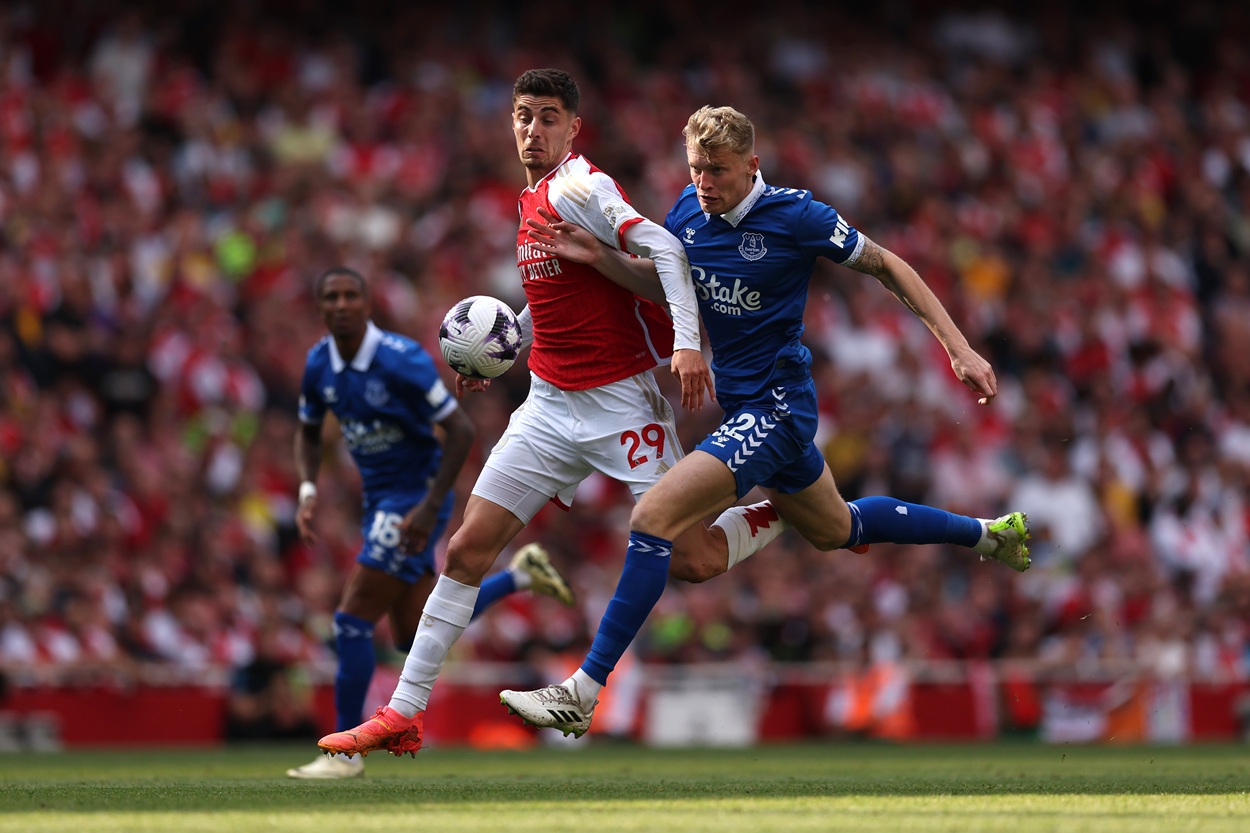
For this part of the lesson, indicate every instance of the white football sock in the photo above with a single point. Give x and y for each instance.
(522, 579)
(986, 545)
(748, 529)
(584, 688)
(446, 615)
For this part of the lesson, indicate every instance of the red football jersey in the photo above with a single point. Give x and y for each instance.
(587, 330)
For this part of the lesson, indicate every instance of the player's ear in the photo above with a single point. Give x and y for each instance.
(753, 164)
(575, 127)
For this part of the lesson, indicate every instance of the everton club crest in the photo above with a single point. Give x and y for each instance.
(752, 246)
(376, 393)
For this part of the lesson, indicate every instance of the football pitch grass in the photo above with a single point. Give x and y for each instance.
(591, 788)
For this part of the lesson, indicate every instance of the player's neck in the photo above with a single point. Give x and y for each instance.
(533, 177)
(348, 346)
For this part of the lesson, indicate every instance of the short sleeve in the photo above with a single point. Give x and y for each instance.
(820, 230)
(425, 392)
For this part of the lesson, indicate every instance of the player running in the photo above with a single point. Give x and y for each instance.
(752, 249)
(593, 405)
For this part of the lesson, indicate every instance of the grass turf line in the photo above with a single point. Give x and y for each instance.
(848, 786)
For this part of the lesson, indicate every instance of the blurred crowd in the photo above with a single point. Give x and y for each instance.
(1074, 183)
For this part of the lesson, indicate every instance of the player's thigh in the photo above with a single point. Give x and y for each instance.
(405, 612)
(537, 458)
(486, 529)
(817, 512)
(370, 593)
(698, 486)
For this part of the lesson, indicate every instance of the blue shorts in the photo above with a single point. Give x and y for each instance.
(769, 441)
(379, 527)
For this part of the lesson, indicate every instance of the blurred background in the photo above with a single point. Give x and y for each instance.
(1072, 179)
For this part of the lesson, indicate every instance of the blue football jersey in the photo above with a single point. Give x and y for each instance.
(751, 269)
(387, 400)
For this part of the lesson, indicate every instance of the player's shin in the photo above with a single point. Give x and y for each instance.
(353, 638)
(639, 588)
(446, 615)
(878, 519)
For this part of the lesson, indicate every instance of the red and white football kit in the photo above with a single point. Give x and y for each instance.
(594, 404)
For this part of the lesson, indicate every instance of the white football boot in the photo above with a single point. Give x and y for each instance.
(553, 707)
(329, 768)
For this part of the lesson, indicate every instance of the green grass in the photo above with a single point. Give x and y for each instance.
(596, 789)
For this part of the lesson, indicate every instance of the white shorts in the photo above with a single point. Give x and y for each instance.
(625, 430)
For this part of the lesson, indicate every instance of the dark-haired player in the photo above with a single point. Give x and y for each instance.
(388, 399)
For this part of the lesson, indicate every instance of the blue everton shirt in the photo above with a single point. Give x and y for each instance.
(387, 400)
(751, 268)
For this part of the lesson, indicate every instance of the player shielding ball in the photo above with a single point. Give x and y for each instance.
(593, 405)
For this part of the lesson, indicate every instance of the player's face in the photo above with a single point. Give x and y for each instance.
(721, 180)
(544, 132)
(344, 306)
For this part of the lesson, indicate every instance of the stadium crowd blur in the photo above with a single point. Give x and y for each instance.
(1074, 184)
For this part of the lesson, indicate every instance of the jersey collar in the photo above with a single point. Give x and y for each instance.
(364, 356)
(552, 172)
(734, 215)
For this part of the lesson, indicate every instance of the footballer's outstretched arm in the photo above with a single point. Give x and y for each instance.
(596, 203)
(896, 275)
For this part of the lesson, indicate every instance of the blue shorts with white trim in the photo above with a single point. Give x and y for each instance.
(770, 441)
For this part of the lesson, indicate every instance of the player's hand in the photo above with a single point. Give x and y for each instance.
(695, 377)
(303, 519)
(567, 241)
(975, 372)
(465, 383)
(417, 526)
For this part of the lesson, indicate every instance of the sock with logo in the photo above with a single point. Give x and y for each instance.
(641, 584)
(876, 520)
(748, 529)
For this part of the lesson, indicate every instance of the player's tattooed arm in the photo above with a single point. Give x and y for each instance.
(897, 276)
(885, 266)
(871, 260)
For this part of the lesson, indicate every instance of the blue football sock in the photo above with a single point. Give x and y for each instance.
(493, 589)
(878, 520)
(639, 588)
(354, 638)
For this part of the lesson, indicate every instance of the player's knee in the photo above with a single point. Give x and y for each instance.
(468, 560)
(651, 517)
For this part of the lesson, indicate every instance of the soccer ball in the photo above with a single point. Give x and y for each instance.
(480, 337)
